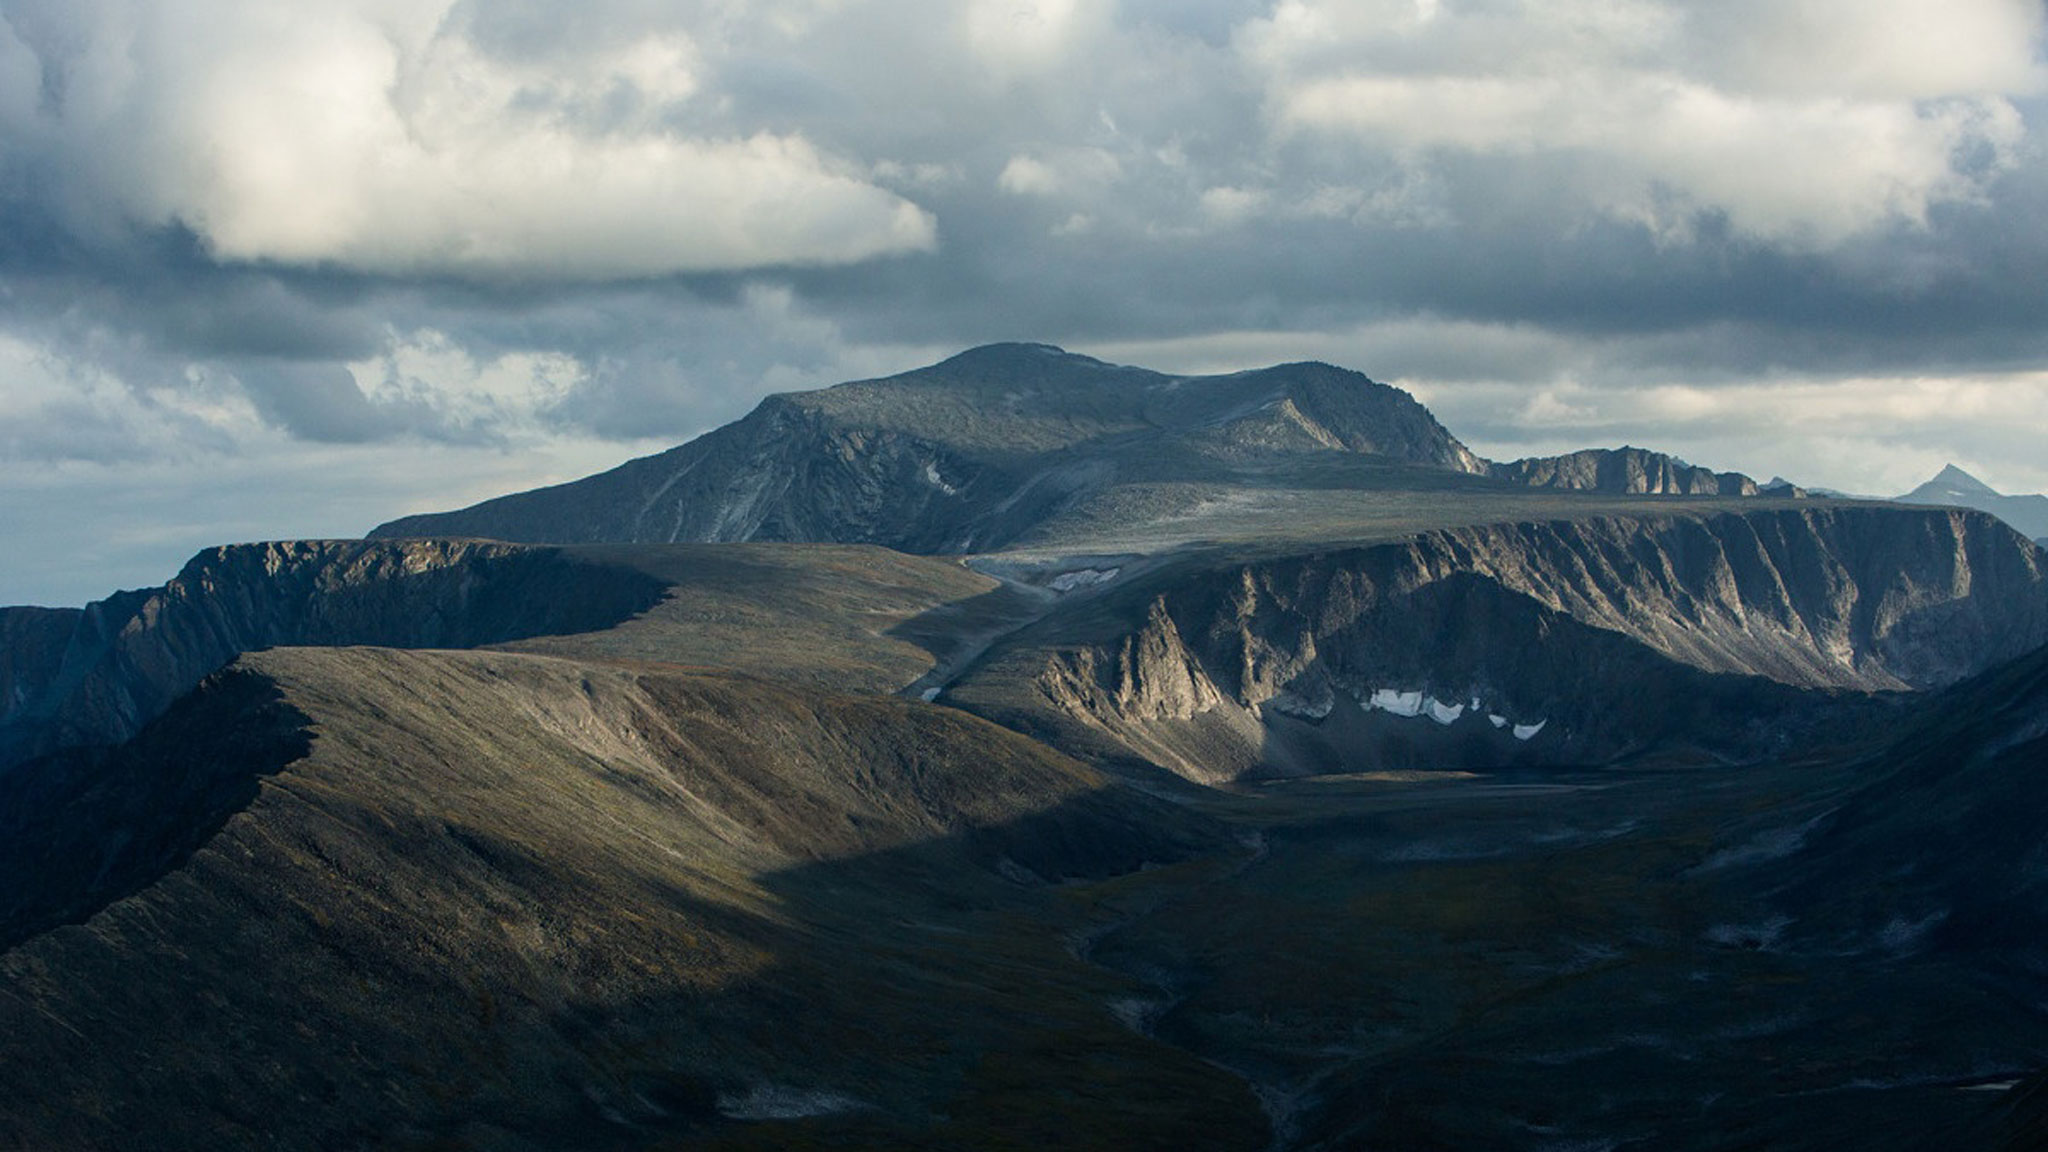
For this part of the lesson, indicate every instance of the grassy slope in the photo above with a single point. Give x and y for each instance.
(508, 893)
(825, 615)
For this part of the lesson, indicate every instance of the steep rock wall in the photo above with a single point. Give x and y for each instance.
(1578, 640)
(124, 659)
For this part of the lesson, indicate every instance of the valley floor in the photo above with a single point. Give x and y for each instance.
(1544, 961)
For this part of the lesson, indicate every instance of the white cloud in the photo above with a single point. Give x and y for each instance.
(335, 133)
(1225, 205)
(1804, 123)
(1028, 176)
(56, 408)
(1068, 172)
(1017, 36)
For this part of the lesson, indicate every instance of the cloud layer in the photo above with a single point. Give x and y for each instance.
(421, 243)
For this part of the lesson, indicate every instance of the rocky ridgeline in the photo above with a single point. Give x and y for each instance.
(967, 455)
(1567, 641)
(96, 676)
(1633, 471)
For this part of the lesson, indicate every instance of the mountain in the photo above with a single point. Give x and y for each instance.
(1014, 445)
(1229, 762)
(1574, 641)
(1957, 488)
(96, 676)
(968, 455)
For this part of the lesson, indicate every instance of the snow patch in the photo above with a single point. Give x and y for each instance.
(1083, 578)
(929, 694)
(932, 477)
(1398, 703)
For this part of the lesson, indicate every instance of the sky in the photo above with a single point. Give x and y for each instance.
(289, 270)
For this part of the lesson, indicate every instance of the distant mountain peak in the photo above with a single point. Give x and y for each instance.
(1954, 479)
(1954, 487)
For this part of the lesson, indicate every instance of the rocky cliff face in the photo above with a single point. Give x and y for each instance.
(1631, 471)
(967, 455)
(122, 660)
(32, 642)
(1558, 641)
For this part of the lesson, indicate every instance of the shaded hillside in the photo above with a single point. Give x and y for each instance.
(514, 901)
(1940, 848)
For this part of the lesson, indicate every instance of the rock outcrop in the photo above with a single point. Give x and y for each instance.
(96, 676)
(1630, 471)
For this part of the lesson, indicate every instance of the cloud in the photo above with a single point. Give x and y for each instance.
(1804, 123)
(383, 139)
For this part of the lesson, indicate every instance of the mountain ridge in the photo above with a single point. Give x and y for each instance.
(997, 445)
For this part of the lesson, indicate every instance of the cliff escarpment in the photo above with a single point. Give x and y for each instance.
(122, 660)
(1558, 641)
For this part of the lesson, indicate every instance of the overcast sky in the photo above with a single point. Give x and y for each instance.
(273, 270)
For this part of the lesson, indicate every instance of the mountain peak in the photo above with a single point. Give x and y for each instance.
(1956, 480)
(1954, 487)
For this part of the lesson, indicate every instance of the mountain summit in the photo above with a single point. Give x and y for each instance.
(1954, 487)
(974, 453)
(1950, 481)
(1013, 444)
